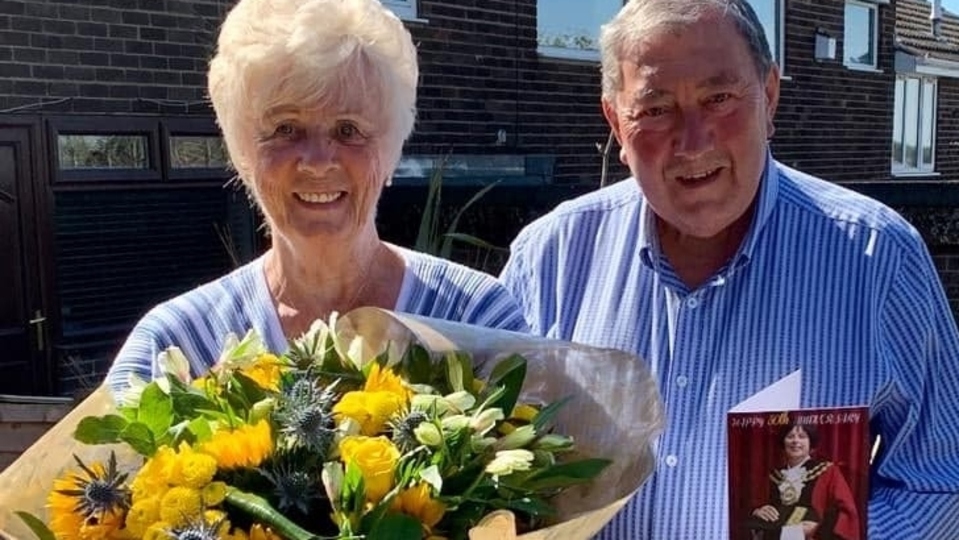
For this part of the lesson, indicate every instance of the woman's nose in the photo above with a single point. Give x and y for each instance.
(317, 155)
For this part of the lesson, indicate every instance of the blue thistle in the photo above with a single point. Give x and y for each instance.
(305, 416)
(402, 427)
(293, 485)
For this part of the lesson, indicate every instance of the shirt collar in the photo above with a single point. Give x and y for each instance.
(766, 197)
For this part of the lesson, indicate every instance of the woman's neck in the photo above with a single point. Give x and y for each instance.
(310, 284)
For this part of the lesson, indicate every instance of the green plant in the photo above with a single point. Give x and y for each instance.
(430, 238)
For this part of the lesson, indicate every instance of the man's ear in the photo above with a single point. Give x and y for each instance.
(772, 99)
(612, 118)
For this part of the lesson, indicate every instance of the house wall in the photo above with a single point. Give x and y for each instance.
(947, 128)
(834, 122)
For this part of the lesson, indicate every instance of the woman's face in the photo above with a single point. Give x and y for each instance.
(796, 444)
(318, 171)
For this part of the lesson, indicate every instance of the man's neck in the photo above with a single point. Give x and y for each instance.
(696, 259)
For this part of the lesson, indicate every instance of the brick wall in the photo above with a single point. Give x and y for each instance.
(834, 122)
(22, 423)
(106, 56)
(947, 126)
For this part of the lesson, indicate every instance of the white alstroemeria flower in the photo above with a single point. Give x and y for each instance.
(173, 362)
(130, 396)
(461, 401)
(455, 422)
(428, 434)
(518, 438)
(332, 477)
(239, 353)
(457, 403)
(507, 462)
(484, 421)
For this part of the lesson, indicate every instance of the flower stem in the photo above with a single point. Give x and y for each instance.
(262, 511)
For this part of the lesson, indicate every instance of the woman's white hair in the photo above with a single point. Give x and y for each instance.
(310, 52)
(640, 18)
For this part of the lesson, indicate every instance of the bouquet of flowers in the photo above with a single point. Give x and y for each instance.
(374, 426)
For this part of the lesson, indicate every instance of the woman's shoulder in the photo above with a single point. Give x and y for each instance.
(436, 287)
(225, 297)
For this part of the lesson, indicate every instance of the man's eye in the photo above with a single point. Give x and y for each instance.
(652, 112)
(720, 98)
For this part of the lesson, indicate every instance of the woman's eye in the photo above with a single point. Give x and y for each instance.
(348, 131)
(284, 130)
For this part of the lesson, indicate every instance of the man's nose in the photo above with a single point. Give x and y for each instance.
(695, 136)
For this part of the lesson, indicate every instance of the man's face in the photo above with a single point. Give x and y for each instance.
(692, 119)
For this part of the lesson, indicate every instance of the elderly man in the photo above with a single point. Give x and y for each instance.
(727, 270)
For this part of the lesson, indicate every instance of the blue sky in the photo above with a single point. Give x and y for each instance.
(951, 5)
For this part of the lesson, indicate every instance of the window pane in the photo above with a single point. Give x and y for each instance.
(928, 121)
(912, 123)
(858, 44)
(573, 24)
(769, 16)
(897, 128)
(195, 152)
(102, 151)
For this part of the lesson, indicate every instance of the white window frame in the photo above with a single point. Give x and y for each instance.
(779, 47)
(874, 8)
(404, 9)
(899, 168)
(566, 53)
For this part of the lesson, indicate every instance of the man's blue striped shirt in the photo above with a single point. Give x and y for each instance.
(826, 281)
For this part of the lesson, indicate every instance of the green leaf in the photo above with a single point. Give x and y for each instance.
(36, 525)
(447, 248)
(530, 505)
(396, 527)
(566, 474)
(185, 404)
(262, 511)
(140, 438)
(509, 374)
(417, 366)
(201, 428)
(353, 496)
(156, 412)
(100, 429)
(548, 413)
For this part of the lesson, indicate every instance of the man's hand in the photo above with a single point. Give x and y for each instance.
(767, 513)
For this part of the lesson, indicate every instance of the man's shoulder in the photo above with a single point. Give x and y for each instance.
(584, 211)
(811, 194)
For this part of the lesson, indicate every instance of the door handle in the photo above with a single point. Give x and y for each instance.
(37, 322)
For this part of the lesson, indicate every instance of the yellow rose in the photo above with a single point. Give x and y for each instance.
(371, 410)
(376, 457)
(417, 502)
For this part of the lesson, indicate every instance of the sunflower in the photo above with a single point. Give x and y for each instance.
(246, 446)
(417, 502)
(90, 503)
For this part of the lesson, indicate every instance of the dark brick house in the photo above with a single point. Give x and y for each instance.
(112, 174)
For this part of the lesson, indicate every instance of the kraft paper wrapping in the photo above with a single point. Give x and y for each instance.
(615, 413)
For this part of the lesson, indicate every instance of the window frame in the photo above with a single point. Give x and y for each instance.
(779, 48)
(76, 125)
(566, 53)
(872, 7)
(404, 9)
(900, 168)
(201, 127)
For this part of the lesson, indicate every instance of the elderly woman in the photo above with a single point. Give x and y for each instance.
(315, 99)
(810, 497)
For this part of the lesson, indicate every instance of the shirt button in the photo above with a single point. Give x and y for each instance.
(682, 381)
(672, 460)
(692, 302)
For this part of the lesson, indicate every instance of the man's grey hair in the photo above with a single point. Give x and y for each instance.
(639, 18)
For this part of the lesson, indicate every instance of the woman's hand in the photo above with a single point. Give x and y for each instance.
(767, 513)
(809, 528)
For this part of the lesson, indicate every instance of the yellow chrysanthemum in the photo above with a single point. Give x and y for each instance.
(265, 371)
(194, 469)
(246, 446)
(213, 493)
(371, 410)
(153, 477)
(158, 531)
(376, 458)
(180, 504)
(142, 514)
(417, 502)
